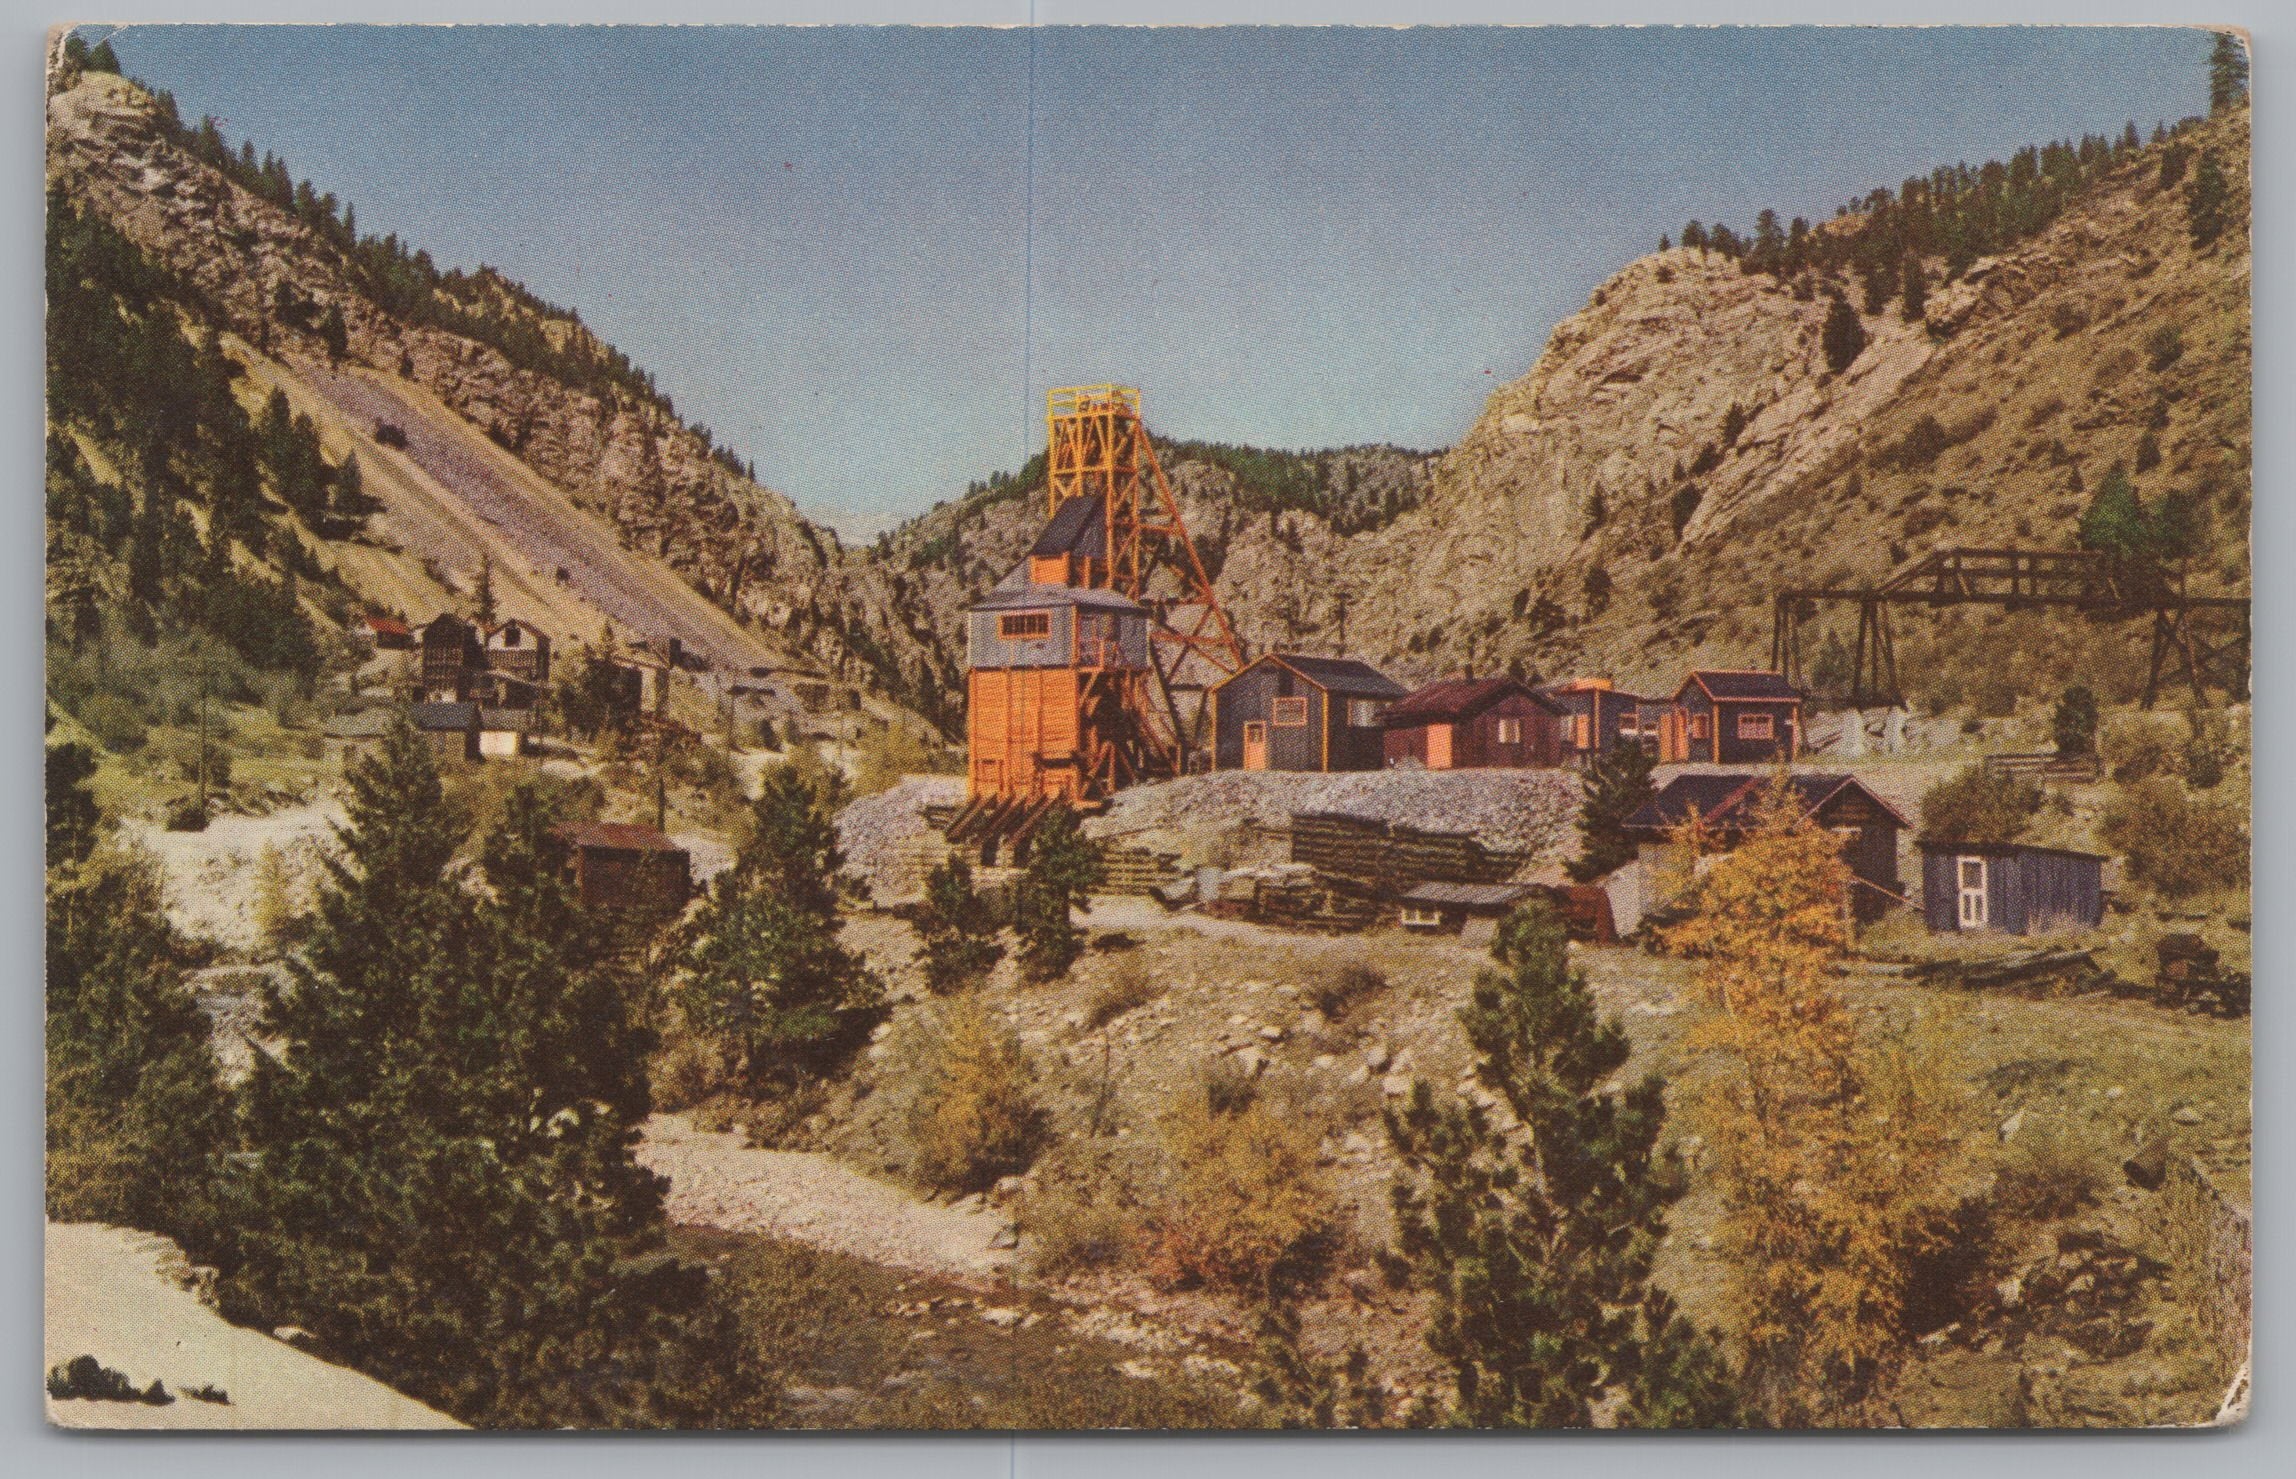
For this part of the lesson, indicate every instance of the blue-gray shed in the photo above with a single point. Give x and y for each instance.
(2013, 887)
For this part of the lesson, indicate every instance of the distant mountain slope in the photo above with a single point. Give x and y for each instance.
(582, 448)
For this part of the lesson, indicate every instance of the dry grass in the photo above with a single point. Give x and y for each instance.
(974, 1118)
(1246, 1207)
(1130, 986)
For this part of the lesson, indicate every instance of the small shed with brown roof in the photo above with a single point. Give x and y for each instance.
(1472, 723)
(1286, 711)
(624, 865)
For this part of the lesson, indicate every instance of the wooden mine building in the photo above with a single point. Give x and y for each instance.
(1057, 671)
(1728, 805)
(1089, 664)
(1598, 717)
(1287, 712)
(2011, 887)
(622, 865)
(1732, 717)
(1470, 723)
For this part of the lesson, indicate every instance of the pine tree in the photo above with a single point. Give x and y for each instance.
(1537, 1247)
(2227, 74)
(1844, 337)
(2207, 203)
(2116, 522)
(1614, 787)
(1064, 867)
(104, 59)
(74, 823)
(766, 973)
(334, 334)
(1914, 304)
(350, 495)
(439, 1183)
(959, 929)
(482, 593)
(2074, 722)
(134, 1109)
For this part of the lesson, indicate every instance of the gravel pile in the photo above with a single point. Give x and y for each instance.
(875, 831)
(1534, 811)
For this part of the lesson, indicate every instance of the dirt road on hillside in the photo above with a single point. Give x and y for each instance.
(718, 1181)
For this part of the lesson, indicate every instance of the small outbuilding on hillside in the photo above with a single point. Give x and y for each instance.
(2013, 887)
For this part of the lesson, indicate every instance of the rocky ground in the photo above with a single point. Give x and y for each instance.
(211, 873)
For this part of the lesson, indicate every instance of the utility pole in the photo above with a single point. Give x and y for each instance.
(202, 766)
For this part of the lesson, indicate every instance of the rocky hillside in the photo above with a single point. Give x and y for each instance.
(345, 324)
(1681, 448)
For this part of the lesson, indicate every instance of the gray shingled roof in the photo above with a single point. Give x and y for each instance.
(1346, 675)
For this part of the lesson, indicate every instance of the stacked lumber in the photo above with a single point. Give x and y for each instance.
(1133, 869)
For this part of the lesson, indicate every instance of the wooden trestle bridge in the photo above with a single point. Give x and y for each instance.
(2196, 640)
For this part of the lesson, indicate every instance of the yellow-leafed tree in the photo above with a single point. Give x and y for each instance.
(1835, 1151)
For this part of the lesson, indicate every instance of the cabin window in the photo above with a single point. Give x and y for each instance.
(1626, 723)
(1291, 713)
(1422, 917)
(1510, 731)
(1363, 713)
(510, 636)
(1021, 625)
(1757, 727)
(1698, 726)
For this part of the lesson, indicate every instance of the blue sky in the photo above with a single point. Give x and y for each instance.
(861, 255)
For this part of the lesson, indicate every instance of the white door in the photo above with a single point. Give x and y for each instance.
(1971, 877)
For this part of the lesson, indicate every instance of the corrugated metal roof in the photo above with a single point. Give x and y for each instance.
(1736, 683)
(1469, 895)
(1995, 849)
(442, 717)
(621, 836)
(1347, 675)
(1728, 800)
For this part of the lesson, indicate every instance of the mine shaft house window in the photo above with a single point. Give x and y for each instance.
(1419, 917)
(1363, 713)
(1698, 726)
(1291, 713)
(1757, 727)
(1510, 731)
(1024, 624)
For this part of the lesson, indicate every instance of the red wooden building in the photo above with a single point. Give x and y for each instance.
(1469, 723)
(622, 865)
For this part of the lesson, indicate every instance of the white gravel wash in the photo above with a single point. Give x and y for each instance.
(718, 1181)
(119, 1296)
